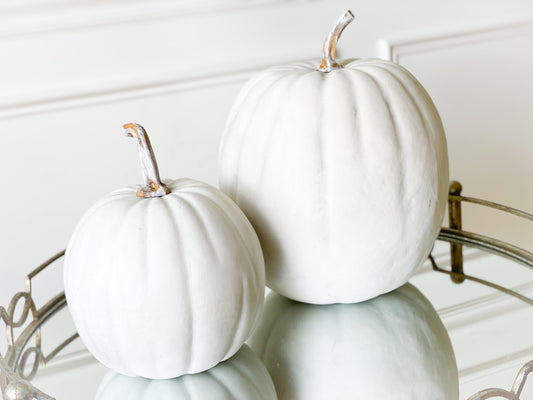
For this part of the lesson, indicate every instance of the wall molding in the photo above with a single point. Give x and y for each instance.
(17, 20)
(511, 362)
(482, 308)
(395, 48)
(127, 89)
(155, 84)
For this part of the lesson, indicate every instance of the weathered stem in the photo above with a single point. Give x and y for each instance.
(330, 45)
(153, 187)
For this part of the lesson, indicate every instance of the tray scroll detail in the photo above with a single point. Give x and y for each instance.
(21, 362)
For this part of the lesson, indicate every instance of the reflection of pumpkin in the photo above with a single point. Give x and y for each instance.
(391, 347)
(343, 174)
(242, 377)
(163, 286)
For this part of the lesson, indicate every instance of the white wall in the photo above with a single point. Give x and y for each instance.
(73, 71)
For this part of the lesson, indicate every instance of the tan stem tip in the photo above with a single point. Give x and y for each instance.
(153, 187)
(330, 45)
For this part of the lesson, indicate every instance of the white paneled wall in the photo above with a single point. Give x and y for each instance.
(73, 71)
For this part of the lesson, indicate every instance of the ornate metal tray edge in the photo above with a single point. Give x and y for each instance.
(15, 372)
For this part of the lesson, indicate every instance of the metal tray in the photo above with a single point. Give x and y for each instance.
(23, 319)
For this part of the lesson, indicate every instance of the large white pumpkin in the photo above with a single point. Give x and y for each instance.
(242, 377)
(163, 286)
(391, 347)
(343, 174)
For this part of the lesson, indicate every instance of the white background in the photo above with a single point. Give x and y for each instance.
(73, 71)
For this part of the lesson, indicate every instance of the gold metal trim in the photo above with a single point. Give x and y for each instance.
(458, 237)
(14, 378)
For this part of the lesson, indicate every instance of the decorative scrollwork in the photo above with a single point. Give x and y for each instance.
(8, 316)
(514, 393)
(20, 363)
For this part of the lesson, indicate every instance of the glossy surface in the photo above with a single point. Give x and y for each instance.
(391, 347)
(242, 377)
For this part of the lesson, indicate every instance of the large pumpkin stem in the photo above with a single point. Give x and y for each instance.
(153, 187)
(330, 45)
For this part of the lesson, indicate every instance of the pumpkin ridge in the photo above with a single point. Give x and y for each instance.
(148, 264)
(227, 216)
(102, 203)
(241, 97)
(116, 277)
(242, 308)
(256, 269)
(146, 242)
(221, 384)
(396, 128)
(203, 228)
(408, 91)
(323, 133)
(321, 155)
(244, 373)
(423, 115)
(182, 199)
(185, 285)
(355, 101)
(425, 119)
(246, 132)
(279, 114)
(345, 76)
(125, 191)
(251, 262)
(249, 91)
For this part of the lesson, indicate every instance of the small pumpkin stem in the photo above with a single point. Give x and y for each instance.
(330, 45)
(153, 187)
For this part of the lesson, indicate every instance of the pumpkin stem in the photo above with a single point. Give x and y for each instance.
(330, 45)
(153, 187)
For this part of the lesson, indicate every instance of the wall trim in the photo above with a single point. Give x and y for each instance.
(512, 362)
(77, 97)
(130, 88)
(17, 20)
(485, 307)
(393, 49)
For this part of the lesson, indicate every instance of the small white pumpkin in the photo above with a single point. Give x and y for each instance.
(391, 347)
(343, 172)
(242, 377)
(167, 281)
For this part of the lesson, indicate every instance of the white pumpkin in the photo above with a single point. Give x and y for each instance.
(343, 174)
(242, 377)
(163, 286)
(391, 347)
